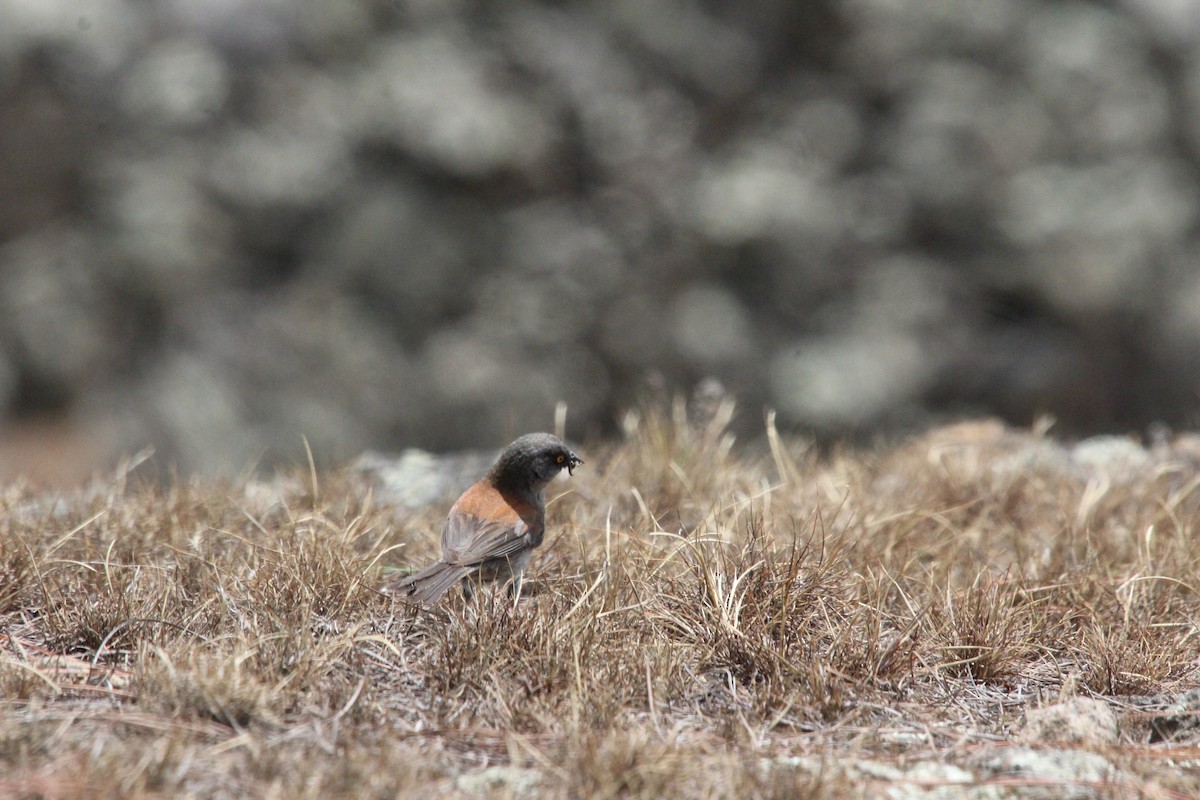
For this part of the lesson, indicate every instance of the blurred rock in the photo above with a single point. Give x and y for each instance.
(710, 326)
(229, 226)
(416, 479)
(164, 236)
(177, 84)
(1175, 21)
(57, 335)
(491, 781)
(1079, 720)
(1053, 774)
(435, 96)
(845, 379)
(1180, 721)
(1117, 457)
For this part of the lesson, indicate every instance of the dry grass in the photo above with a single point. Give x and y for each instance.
(703, 622)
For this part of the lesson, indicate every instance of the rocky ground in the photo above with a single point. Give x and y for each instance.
(978, 612)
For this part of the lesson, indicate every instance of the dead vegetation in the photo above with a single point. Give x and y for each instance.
(702, 622)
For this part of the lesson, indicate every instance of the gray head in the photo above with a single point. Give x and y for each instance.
(532, 461)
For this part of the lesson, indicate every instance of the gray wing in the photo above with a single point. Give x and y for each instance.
(468, 540)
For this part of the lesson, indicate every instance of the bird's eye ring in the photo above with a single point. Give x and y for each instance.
(560, 458)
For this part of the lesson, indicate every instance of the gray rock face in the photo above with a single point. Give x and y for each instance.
(228, 226)
(1180, 721)
(416, 479)
(1079, 720)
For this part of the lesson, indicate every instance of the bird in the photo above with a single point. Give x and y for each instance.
(493, 527)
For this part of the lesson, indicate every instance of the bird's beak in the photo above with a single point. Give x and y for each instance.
(573, 461)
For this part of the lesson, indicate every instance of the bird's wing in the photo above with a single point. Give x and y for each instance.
(478, 540)
(486, 524)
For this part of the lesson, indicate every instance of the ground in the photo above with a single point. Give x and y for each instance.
(705, 620)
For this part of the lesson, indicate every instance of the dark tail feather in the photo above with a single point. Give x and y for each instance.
(428, 585)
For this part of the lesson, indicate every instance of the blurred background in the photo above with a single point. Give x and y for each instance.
(226, 225)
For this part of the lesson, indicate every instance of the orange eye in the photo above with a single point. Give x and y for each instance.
(559, 459)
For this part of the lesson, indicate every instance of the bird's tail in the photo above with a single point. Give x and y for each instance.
(428, 585)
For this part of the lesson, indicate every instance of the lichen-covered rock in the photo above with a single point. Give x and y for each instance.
(860, 214)
(1080, 720)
